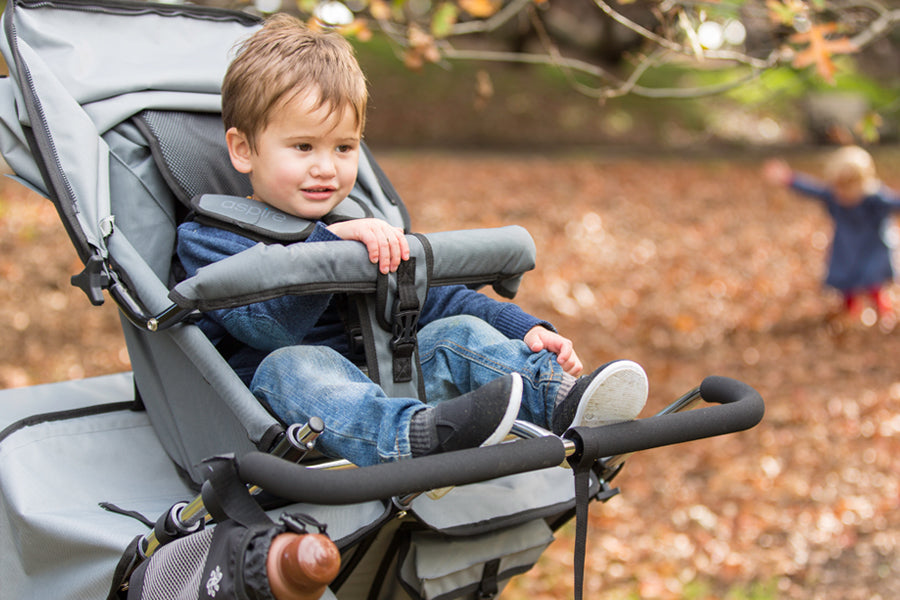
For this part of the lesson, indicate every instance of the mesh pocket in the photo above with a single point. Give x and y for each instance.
(175, 571)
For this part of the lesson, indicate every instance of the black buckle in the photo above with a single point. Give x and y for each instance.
(403, 343)
(405, 324)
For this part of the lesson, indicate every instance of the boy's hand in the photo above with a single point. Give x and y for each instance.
(386, 244)
(540, 338)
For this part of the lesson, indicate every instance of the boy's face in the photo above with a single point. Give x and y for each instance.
(305, 160)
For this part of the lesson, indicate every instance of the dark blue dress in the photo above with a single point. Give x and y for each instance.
(860, 254)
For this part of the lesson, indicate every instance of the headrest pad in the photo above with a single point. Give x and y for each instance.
(189, 150)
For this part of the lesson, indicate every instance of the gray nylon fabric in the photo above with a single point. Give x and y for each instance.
(474, 256)
(436, 568)
(55, 539)
(86, 84)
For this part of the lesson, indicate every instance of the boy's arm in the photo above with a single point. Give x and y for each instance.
(265, 325)
(505, 317)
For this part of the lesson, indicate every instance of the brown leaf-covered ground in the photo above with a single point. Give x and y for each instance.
(690, 266)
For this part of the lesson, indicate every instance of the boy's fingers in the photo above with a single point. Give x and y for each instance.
(384, 253)
(394, 249)
(404, 245)
(399, 247)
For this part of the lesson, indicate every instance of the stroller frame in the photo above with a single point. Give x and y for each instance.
(99, 131)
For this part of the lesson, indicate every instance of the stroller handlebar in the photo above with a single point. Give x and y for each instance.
(350, 486)
(740, 407)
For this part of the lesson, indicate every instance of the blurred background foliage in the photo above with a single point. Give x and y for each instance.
(650, 74)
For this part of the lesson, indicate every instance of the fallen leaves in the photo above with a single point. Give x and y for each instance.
(691, 268)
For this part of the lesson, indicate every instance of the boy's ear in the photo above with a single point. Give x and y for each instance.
(239, 150)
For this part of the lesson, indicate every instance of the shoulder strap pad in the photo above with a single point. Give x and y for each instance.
(264, 223)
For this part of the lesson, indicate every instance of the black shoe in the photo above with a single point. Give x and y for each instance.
(617, 391)
(483, 417)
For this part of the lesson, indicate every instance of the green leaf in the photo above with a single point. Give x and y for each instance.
(444, 19)
(307, 6)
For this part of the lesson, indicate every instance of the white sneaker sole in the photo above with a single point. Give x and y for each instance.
(512, 411)
(618, 393)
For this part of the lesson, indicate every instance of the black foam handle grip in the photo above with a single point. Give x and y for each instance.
(350, 486)
(741, 407)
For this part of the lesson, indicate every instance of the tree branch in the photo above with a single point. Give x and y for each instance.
(493, 22)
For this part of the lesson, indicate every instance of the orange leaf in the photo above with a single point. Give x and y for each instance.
(480, 8)
(380, 10)
(820, 49)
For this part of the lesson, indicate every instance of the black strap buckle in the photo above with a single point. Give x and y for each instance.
(405, 324)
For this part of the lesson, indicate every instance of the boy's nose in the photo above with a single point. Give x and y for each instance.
(323, 167)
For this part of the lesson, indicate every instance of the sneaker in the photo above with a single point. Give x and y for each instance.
(483, 417)
(617, 391)
(883, 303)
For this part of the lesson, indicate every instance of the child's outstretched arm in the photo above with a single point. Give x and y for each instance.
(777, 172)
(386, 244)
(540, 338)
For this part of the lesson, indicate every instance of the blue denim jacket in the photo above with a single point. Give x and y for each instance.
(290, 320)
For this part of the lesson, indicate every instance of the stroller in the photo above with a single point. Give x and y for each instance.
(111, 112)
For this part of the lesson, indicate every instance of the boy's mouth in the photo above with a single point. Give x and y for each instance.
(320, 193)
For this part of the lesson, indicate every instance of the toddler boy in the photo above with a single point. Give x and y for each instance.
(293, 106)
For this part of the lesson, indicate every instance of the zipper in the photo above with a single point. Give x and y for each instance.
(47, 158)
(56, 179)
(125, 7)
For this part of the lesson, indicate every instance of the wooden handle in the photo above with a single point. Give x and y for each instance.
(300, 567)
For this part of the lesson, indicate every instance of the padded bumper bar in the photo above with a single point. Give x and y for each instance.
(497, 256)
(740, 407)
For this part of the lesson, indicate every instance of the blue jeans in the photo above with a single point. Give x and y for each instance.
(362, 424)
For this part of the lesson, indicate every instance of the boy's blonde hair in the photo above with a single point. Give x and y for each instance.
(851, 163)
(282, 59)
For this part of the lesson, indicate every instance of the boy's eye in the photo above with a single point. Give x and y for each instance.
(343, 148)
(303, 147)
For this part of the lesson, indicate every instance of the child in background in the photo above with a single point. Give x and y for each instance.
(860, 207)
(293, 105)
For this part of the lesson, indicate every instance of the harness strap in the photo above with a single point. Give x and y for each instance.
(582, 484)
(489, 586)
(405, 321)
(226, 497)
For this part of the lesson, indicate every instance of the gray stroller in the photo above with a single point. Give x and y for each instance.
(173, 481)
